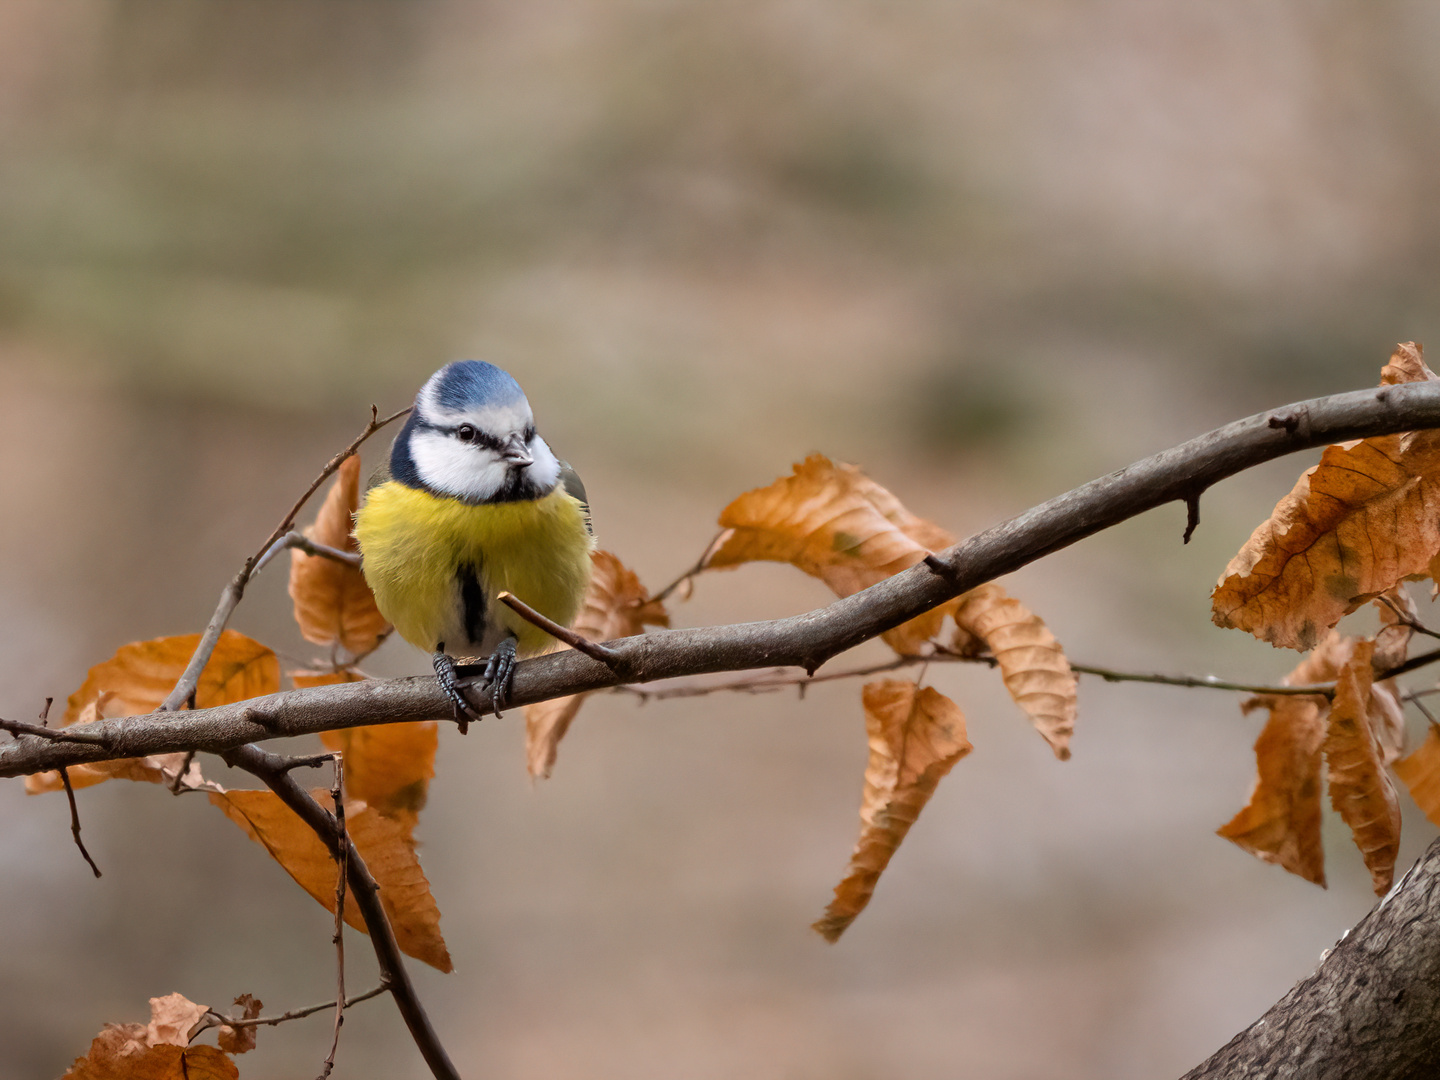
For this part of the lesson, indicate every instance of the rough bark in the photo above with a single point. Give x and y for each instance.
(1371, 1010)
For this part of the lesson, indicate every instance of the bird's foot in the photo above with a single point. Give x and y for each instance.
(448, 675)
(500, 673)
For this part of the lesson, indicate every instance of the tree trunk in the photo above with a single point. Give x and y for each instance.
(1371, 1010)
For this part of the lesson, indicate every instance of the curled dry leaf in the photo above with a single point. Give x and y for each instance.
(1031, 661)
(159, 1050)
(1421, 774)
(1398, 618)
(138, 678)
(333, 603)
(241, 1040)
(836, 524)
(1360, 789)
(1354, 526)
(616, 605)
(172, 1018)
(1406, 364)
(1281, 822)
(916, 736)
(384, 844)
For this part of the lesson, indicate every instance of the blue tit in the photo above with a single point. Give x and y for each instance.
(473, 503)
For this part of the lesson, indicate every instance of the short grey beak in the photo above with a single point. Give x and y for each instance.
(515, 452)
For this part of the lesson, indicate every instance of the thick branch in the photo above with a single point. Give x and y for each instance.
(1371, 1010)
(804, 641)
(272, 769)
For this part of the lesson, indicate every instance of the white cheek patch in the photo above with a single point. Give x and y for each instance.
(474, 473)
(545, 472)
(449, 466)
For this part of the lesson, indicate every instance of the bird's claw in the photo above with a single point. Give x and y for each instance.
(449, 679)
(500, 673)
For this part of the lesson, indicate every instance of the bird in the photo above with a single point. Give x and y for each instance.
(472, 502)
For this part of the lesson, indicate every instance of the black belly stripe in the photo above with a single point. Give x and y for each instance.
(472, 601)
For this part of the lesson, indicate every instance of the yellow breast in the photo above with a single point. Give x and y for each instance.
(425, 556)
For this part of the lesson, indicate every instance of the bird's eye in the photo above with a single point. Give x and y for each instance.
(528, 433)
(465, 433)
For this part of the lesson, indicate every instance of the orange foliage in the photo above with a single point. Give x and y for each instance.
(916, 736)
(139, 677)
(1355, 525)
(333, 603)
(616, 605)
(384, 844)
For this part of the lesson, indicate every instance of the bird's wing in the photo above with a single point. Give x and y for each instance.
(570, 481)
(381, 474)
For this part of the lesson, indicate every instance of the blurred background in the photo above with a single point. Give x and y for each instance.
(987, 250)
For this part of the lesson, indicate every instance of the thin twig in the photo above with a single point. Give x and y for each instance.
(1412, 664)
(592, 649)
(775, 680)
(215, 1019)
(69, 795)
(233, 592)
(1425, 712)
(17, 728)
(1405, 619)
(1205, 682)
(75, 819)
(300, 542)
(270, 768)
(310, 761)
(688, 575)
(343, 850)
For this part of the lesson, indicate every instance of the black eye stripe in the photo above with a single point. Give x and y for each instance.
(473, 436)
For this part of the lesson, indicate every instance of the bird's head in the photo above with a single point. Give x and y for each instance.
(472, 436)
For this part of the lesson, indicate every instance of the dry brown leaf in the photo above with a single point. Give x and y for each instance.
(1421, 774)
(388, 766)
(1360, 789)
(1387, 720)
(384, 844)
(241, 1040)
(139, 677)
(546, 723)
(155, 1051)
(1354, 526)
(1407, 364)
(333, 603)
(107, 1061)
(1031, 661)
(836, 524)
(1398, 617)
(1281, 822)
(171, 1019)
(916, 736)
(616, 605)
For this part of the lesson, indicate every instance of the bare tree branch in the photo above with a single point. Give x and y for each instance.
(233, 592)
(274, 770)
(804, 641)
(1370, 1011)
(342, 848)
(215, 1019)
